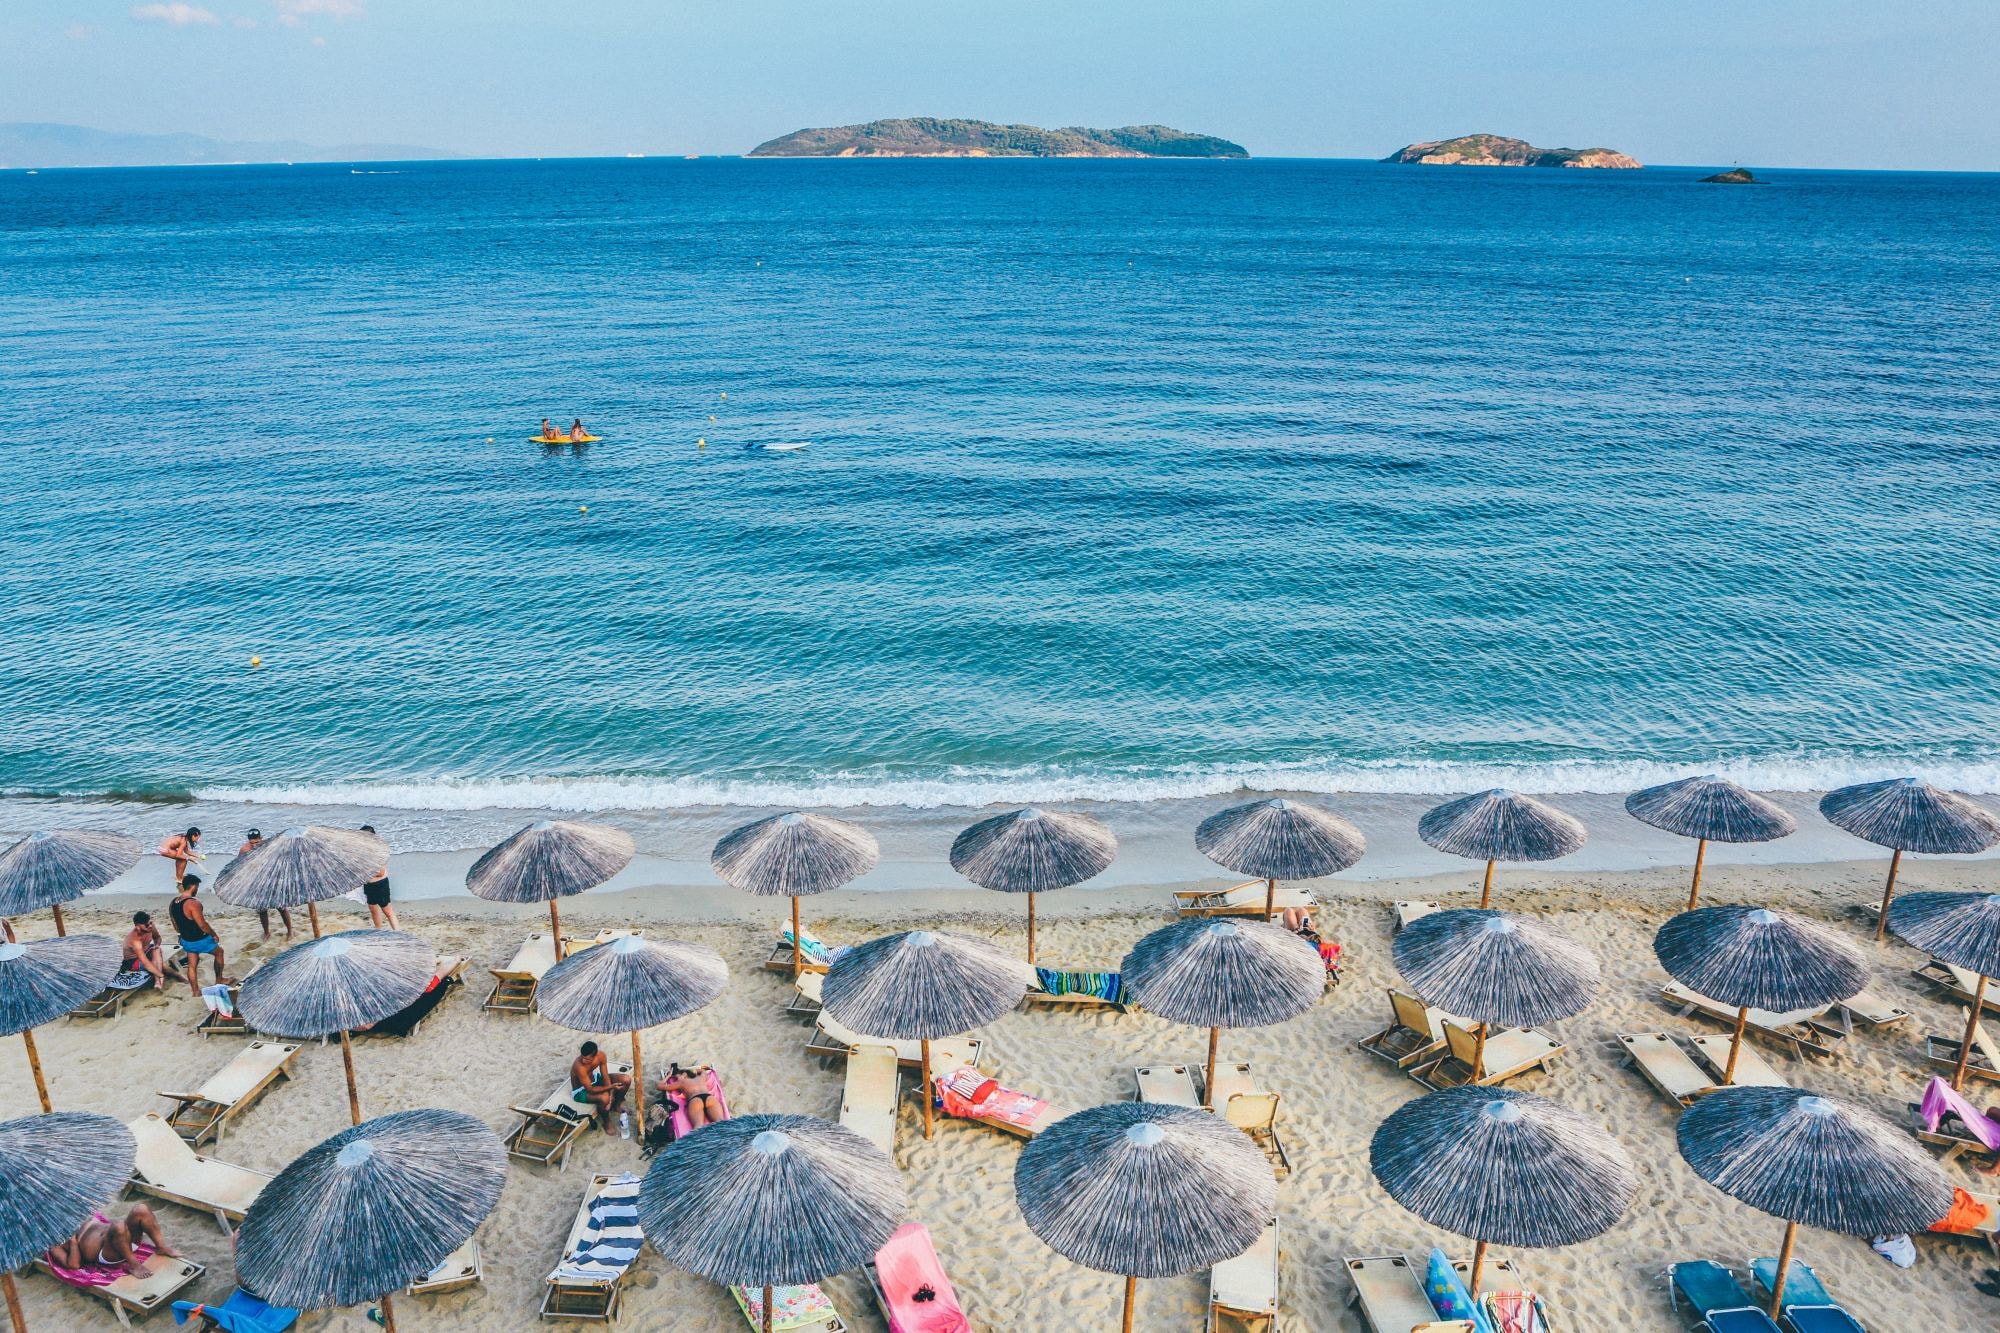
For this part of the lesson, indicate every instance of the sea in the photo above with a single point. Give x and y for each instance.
(1126, 483)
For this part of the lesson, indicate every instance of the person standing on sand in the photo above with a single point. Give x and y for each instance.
(255, 838)
(197, 937)
(182, 848)
(376, 893)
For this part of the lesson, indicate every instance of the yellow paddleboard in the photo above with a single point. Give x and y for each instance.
(563, 439)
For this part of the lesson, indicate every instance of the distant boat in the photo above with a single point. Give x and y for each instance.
(635, 154)
(782, 447)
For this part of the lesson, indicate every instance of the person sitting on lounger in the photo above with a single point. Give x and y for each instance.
(690, 1088)
(145, 953)
(591, 1080)
(103, 1243)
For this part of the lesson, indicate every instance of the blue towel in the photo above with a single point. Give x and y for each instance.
(611, 1238)
(241, 1313)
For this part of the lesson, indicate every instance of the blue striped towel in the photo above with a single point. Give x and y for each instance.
(610, 1240)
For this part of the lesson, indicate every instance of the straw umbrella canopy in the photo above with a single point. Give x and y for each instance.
(300, 866)
(1754, 958)
(1906, 815)
(1814, 1161)
(1495, 967)
(45, 979)
(1709, 809)
(628, 985)
(770, 1201)
(1279, 839)
(55, 1169)
(547, 860)
(794, 855)
(370, 1210)
(920, 985)
(1500, 825)
(1032, 851)
(1224, 974)
(335, 984)
(1503, 1167)
(1962, 929)
(1144, 1190)
(50, 868)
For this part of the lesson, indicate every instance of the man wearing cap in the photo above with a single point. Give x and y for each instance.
(252, 839)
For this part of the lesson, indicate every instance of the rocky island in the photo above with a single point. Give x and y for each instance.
(1733, 176)
(924, 136)
(1493, 150)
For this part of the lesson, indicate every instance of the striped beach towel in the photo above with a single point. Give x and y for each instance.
(1104, 985)
(610, 1239)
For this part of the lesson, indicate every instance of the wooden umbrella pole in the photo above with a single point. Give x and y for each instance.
(61, 929)
(1270, 898)
(924, 1052)
(768, 1297)
(1479, 1052)
(1888, 892)
(555, 929)
(1208, 1083)
(1131, 1297)
(1735, 1045)
(388, 1313)
(1694, 890)
(798, 954)
(312, 915)
(1031, 929)
(1478, 1263)
(13, 1303)
(637, 1102)
(353, 1092)
(1971, 1034)
(42, 1084)
(1486, 888)
(1784, 1262)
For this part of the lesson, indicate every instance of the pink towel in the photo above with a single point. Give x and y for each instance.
(98, 1275)
(907, 1263)
(682, 1126)
(1940, 1100)
(988, 1100)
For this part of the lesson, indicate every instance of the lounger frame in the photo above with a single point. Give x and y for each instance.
(596, 1300)
(198, 1118)
(137, 1296)
(547, 1132)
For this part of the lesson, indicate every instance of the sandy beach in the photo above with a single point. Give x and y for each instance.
(961, 1182)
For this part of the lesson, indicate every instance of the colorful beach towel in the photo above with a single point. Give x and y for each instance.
(907, 1265)
(1941, 1100)
(131, 978)
(1968, 1214)
(1514, 1311)
(970, 1095)
(610, 1239)
(1448, 1294)
(791, 1307)
(99, 1275)
(1107, 986)
(811, 947)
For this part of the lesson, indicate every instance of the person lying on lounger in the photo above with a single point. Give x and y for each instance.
(690, 1088)
(591, 1080)
(103, 1243)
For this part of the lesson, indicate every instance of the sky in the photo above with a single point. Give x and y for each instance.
(1781, 83)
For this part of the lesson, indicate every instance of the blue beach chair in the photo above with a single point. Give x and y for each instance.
(1807, 1306)
(1718, 1298)
(241, 1313)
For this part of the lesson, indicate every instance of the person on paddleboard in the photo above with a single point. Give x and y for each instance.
(549, 432)
(576, 430)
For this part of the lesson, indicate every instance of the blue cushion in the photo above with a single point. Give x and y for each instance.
(1708, 1286)
(241, 1313)
(1745, 1319)
(1820, 1319)
(1802, 1285)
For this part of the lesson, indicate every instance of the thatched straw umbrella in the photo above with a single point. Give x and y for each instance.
(547, 860)
(1504, 1167)
(794, 855)
(1279, 839)
(1223, 974)
(1500, 825)
(302, 866)
(1494, 967)
(370, 1210)
(1709, 809)
(45, 979)
(1962, 929)
(51, 868)
(336, 984)
(771, 1201)
(1032, 851)
(628, 985)
(921, 985)
(1814, 1161)
(55, 1170)
(1144, 1190)
(1754, 958)
(1906, 815)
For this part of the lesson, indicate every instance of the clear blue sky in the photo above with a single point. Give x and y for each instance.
(1839, 83)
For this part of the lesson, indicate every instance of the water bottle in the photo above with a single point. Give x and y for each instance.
(624, 1124)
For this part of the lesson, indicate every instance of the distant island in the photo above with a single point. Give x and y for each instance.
(39, 144)
(924, 136)
(1493, 150)
(1733, 176)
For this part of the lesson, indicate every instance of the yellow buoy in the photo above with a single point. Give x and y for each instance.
(725, 395)
(701, 444)
(256, 661)
(711, 418)
(489, 439)
(583, 509)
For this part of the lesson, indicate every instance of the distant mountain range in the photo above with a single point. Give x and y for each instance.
(1495, 150)
(29, 144)
(925, 136)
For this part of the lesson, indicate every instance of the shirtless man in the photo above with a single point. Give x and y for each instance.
(181, 849)
(591, 1080)
(198, 938)
(690, 1088)
(255, 838)
(144, 952)
(103, 1243)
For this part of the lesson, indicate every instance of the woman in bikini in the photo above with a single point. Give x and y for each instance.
(691, 1087)
(103, 1243)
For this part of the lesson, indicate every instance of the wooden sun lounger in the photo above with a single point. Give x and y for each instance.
(1666, 1066)
(873, 1094)
(1167, 1085)
(1956, 983)
(167, 1168)
(463, 1267)
(1509, 1054)
(1390, 1291)
(1245, 899)
(107, 1003)
(1415, 1033)
(514, 985)
(1868, 1007)
(575, 1298)
(547, 1132)
(1752, 1069)
(1256, 1114)
(780, 959)
(1941, 1053)
(832, 1041)
(805, 994)
(203, 1115)
(1953, 1142)
(1805, 1030)
(1408, 910)
(1243, 1291)
(136, 1295)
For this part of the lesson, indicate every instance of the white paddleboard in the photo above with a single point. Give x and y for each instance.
(785, 447)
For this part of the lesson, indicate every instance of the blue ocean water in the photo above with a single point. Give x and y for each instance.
(1125, 479)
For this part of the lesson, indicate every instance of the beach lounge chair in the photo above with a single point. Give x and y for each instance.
(166, 1168)
(1717, 1298)
(1941, 1053)
(463, 1267)
(1956, 983)
(130, 1295)
(872, 1095)
(967, 1094)
(1805, 1030)
(1390, 1291)
(1069, 989)
(906, 1264)
(1256, 1114)
(815, 953)
(1752, 1069)
(1415, 1033)
(514, 985)
(802, 1309)
(1973, 1215)
(1246, 899)
(805, 999)
(549, 1130)
(203, 1114)
(1167, 1085)
(448, 972)
(1868, 1007)
(214, 1023)
(110, 1002)
(832, 1040)
(1509, 1053)
(1949, 1135)
(1806, 1305)
(1411, 909)
(1666, 1065)
(240, 1313)
(603, 1241)
(1243, 1291)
